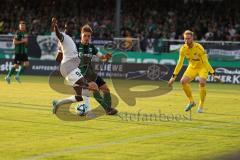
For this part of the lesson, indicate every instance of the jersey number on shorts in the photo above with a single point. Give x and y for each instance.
(78, 74)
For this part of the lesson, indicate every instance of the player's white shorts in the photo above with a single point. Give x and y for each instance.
(73, 76)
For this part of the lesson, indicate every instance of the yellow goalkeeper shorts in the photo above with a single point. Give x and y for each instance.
(193, 72)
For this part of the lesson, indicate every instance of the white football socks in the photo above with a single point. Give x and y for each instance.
(70, 99)
(87, 102)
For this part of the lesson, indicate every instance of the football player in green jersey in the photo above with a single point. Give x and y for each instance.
(86, 51)
(20, 41)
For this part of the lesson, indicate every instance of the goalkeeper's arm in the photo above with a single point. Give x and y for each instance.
(177, 68)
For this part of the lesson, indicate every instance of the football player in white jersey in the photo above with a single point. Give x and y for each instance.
(69, 65)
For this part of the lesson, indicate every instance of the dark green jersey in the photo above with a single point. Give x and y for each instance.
(20, 48)
(86, 53)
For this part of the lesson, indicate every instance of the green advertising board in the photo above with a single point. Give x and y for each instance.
(38, 50)
(165, 58)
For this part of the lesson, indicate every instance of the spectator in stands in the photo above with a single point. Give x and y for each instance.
(210, 20)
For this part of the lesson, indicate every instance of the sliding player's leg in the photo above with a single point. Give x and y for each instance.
(89, 112)
(75, 79)
(74, 98)
(86, 98)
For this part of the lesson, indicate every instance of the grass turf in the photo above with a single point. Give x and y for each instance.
(28, 129)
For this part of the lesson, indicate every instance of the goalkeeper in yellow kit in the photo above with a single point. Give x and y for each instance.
(198, 66)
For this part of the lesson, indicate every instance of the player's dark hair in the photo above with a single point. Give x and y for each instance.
(86, 28)
(21, 22)
(68, 23)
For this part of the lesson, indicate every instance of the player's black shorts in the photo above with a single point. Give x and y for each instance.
(19, 58)
(99, 81)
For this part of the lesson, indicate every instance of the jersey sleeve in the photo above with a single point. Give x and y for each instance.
(179, 63)
(204, 58)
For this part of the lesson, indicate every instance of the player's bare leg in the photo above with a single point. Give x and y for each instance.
(187, 90)
(202, 91)
(78, 87)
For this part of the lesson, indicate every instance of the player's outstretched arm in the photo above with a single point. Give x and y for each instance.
(104, 57)
(177, 68)
(56, 29)
(59, 57)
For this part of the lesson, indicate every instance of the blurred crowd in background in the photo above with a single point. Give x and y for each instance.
(209, 19)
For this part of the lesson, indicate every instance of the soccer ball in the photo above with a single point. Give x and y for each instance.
(81, 109)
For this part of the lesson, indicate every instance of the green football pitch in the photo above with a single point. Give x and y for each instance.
(29, 130)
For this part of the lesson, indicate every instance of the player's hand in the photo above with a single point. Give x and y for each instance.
(25, 40)
(108, 56)
(54, 20)
(170, 82)
(92, 86)
(217, 78)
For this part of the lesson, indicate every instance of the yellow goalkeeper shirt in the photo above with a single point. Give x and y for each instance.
(196, 56)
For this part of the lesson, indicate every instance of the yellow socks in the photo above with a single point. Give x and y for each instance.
(202, 91)
(188, 91)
